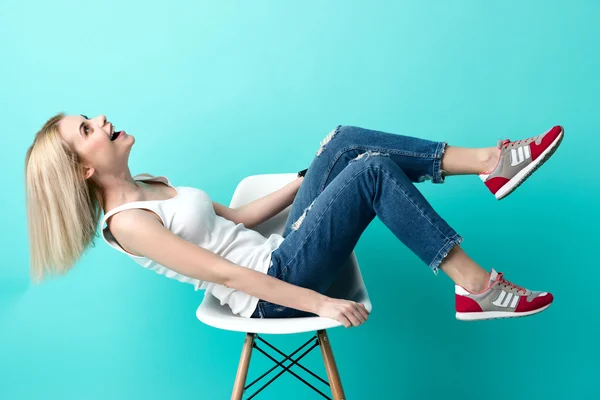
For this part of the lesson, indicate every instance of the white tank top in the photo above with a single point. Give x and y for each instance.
(191, 216)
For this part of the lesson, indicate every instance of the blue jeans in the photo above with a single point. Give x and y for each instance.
(358, 174)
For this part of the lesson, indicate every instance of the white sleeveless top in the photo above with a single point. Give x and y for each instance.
(191, 216)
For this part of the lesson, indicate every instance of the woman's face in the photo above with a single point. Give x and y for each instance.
(91, 140)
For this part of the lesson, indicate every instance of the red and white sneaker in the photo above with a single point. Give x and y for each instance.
(501, 299)
(518, 160)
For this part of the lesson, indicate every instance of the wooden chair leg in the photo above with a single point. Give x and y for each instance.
(332, 372)
(242, 372)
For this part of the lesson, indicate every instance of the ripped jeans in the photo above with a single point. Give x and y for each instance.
(358, 174)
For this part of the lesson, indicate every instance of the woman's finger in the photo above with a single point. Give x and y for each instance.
(342, 318)
(361, 318)
(355, 321)
(363, 312)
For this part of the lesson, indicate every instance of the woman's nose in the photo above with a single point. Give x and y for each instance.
(101, 119)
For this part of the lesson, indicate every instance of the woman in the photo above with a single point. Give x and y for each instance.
(78, 166)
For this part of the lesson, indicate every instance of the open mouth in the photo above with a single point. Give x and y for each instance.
(115, 135)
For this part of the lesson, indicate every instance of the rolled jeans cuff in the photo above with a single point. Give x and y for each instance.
(438, 174)
(439, 257)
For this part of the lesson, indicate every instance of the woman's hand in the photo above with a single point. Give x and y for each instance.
(349, 313)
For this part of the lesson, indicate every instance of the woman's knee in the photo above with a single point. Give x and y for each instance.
(346, 137)
(342, 136)
(325, 142)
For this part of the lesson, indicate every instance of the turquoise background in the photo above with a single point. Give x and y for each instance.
(216, 91)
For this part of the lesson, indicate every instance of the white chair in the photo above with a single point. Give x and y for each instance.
(349, 285)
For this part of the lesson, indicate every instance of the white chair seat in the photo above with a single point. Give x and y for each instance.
(349, 284)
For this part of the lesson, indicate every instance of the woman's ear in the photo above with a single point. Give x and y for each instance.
(88, 172)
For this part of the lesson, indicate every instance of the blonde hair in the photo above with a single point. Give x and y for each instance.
(63, 208)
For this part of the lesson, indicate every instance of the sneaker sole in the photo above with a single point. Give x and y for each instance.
(522, 176)
(474, 316)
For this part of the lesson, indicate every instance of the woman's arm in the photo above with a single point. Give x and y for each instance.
(141, 233)
(260, 210)
(263, 286)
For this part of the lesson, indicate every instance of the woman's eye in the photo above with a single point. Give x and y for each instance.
(85, 130)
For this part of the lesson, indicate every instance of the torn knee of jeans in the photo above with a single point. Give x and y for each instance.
(298, 222)
(424, 178)
(327, 140)
(369, 153)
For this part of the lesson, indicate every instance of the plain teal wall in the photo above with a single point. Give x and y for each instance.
(216, 91)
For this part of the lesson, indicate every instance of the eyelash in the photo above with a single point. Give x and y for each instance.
(84, 126)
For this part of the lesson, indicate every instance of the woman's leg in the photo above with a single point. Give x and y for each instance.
(418, 160)
(468, 161)
(311, 255)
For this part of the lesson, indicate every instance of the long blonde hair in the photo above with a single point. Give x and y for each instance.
(63, 208)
